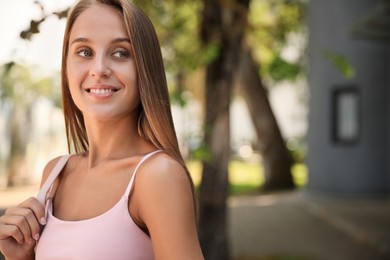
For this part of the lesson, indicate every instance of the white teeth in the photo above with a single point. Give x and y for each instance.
(101, 91)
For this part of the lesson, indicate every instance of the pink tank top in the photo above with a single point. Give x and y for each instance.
(111, 235)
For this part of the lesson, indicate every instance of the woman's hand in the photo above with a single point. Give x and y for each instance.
(20, 228)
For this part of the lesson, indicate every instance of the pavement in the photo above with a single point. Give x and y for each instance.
(293, 226)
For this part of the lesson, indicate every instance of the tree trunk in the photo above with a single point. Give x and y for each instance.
(223, 23)
(277, 161)
(20, 125)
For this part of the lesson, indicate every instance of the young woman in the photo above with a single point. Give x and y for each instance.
(125, 193)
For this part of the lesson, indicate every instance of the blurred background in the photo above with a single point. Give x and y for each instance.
(280, 106)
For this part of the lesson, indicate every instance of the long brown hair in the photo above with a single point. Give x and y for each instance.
(155, 122)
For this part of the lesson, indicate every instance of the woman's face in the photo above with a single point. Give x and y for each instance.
(100, 68)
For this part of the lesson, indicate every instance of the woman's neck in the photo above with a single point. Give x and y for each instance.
(113, 139)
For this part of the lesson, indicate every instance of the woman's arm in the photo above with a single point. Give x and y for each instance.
(165, 204)
(20, 226)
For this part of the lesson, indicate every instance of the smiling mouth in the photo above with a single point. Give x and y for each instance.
(100, 91)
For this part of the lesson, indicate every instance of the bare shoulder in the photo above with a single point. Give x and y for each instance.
(48, 168)
(163, 182)
(160, 172)
(166, 207)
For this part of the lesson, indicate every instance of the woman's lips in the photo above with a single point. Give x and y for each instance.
(101, 91)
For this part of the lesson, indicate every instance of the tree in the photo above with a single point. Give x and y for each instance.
(20, 91)
(271, 25)
(223, 23)
(276, 159)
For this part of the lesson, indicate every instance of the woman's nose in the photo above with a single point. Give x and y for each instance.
(100, 67)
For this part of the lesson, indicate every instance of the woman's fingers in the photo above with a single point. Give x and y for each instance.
(19, 228)
(7, 230)
(37, 209)
(23, 221)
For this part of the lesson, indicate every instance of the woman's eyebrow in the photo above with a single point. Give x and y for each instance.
(124, 39)
(117, 40)
(81, 39)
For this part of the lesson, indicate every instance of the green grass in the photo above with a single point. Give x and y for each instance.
(246, 177)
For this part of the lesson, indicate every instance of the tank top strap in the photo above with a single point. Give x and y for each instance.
(147, 156)
(41, 197)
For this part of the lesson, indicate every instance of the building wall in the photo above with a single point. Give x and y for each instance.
(361, 168)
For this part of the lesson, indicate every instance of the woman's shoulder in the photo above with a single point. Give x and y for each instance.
(162, 169)
(162, 177)
(166, 205)
(49, 168)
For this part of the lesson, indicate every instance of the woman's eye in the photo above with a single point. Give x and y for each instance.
(121, 54)
(85, 53)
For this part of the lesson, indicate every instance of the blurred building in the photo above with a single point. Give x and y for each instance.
(349, 121)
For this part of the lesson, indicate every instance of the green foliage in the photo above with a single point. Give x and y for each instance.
(210, 53)
(340, 63)
(177, 97)
(271, 25)
(297, 149)
(176, 24)
(280, 69)
(18, 83)
(288, 16)
(202, 153)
